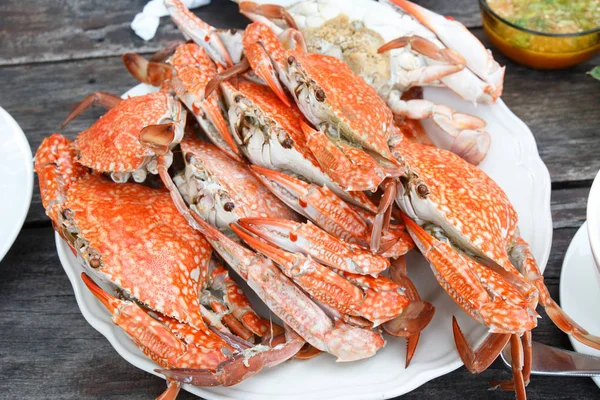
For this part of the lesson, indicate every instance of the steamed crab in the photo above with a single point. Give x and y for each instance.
(480, 260)
(106, 224)
(116, 143)
(395, 49)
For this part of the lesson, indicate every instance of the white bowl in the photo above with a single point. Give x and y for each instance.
(593, 220)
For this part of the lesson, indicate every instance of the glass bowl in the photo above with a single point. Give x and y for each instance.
(537, 49)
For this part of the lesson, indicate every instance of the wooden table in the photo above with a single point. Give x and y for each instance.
(52, 54)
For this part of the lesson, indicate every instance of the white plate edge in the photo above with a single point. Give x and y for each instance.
(26, 148)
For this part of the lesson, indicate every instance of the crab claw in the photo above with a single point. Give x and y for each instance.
(309, 240)
(199, 31)
(241, 366)
(467, 134)
(484, 294)
(57, 168)
(159, 138)
(317, 203)
(150, 72)
(414, 318)
(265, 53)
(350, 167)
(270, 11)
(290, 303)
(477, 361)
(137, 323)
(458, 38)
(356, 295)
(307, 273)
(428, 49)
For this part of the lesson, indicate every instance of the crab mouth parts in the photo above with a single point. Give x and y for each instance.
(86, 254)
(312, 101)
(206, 196)
(257, 134)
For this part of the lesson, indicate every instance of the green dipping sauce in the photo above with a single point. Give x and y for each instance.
(550, 16)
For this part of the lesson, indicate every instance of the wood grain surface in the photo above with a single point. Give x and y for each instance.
(54, 53)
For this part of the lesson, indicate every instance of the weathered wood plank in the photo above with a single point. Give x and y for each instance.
(42, 31)
(562, 109)
(49, 351)
(569, 207)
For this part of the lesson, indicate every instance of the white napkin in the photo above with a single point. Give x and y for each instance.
(146, 23)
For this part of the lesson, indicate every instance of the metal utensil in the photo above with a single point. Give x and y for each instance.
(548, 360)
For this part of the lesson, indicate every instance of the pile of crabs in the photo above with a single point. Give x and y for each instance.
(291, 153)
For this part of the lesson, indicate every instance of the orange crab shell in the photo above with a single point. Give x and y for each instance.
(146, 247)
(112, 143)
(354, 102)
(251, 197)
(468, 198)
(288, 118)
(194, 67)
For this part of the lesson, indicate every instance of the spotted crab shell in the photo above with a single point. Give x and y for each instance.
(144, 245)
(112, 143)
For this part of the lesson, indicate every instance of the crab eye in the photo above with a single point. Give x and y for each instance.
(320, 95)
(291, 59)
(229, 206)
(237, 98)
(422, 190)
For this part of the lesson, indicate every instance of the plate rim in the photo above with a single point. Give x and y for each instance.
(528, 157)
(25, 148)
(580, 239)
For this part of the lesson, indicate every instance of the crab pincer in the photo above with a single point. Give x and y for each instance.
(187, 73)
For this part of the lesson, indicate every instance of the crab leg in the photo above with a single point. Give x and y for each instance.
(319, 204)
(237, 303)
(470, 139)
(525, 262)
(291, 304)
(404, 325)
(309, 240)
(483, 294)
(188, 73)
(350, 167)
(458, 38)
(527, 359)
(199, 31)
(106, 100)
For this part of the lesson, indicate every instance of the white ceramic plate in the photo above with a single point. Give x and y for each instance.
(16, 185)
(513, 162)
(580, 289)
